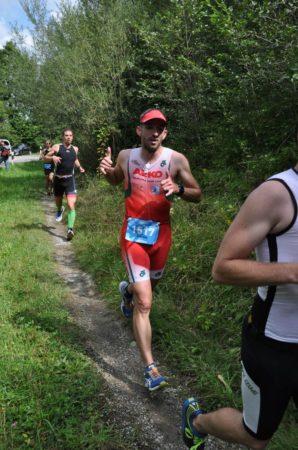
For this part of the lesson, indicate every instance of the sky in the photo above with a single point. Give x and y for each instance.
(12, 14)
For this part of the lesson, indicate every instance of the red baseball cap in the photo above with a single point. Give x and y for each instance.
(151, 114)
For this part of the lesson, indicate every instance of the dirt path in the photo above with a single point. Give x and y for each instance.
(109, 342)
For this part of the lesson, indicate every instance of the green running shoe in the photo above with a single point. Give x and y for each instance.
(191, 437)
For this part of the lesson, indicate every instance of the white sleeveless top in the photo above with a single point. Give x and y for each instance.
(280, 308)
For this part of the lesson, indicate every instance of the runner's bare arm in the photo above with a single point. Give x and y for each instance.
(51, 155)
(268, 209)
(114, 175)
(181, 170)
(77, 162)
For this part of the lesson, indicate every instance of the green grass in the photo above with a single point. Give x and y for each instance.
(50, 393)
(196, 323)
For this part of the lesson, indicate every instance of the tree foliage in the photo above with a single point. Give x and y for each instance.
(225, 72)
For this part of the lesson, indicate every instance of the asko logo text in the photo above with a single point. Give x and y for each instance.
(153, 174)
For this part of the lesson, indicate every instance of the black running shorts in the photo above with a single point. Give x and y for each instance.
(65, 186)
(269, 381)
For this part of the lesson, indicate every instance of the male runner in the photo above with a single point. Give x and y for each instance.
(48, 167)
(65, 158)
(150, 175)
(267, 221)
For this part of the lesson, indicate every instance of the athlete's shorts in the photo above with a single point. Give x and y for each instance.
(269, 381)
(145, 261)
(65, 186)
(48, 168)
(48, 171)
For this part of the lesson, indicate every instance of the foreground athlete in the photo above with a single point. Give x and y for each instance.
(150, 174)
(65, 158)
(267, 222)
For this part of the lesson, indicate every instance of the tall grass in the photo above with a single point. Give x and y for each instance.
(196, 323)
(50, 393)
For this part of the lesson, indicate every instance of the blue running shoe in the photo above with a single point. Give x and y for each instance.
(191, 437)
(59, 214)
(126, 304)
(153, 379)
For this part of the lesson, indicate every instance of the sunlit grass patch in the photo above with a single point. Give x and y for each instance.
(50, 392)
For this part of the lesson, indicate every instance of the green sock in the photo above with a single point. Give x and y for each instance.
(71, 219)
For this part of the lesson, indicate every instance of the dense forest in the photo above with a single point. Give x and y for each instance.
(225, 73)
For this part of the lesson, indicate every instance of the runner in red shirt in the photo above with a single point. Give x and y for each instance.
(150, 174)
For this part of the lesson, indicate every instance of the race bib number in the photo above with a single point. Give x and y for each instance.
(142, 231)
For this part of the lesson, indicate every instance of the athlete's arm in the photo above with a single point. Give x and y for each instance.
(268, 209)
(77, 162)
(114, 175)
(52, 155)
(181, 169)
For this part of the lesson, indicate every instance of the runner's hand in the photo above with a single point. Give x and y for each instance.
(56, 159)
(169, 187)
(106, 162)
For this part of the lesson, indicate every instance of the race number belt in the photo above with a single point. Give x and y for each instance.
(142, 231)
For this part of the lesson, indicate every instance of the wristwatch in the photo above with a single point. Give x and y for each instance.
(181, 190)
